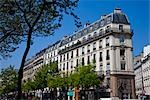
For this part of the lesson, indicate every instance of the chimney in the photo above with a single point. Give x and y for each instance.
(117, 10)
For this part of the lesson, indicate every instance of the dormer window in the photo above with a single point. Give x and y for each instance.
(121, 27)
(96, 26)
(107, 29)
(95, 34)
(108, 19)
(101, 32)
(85, 31)
(91, 28)
(89, 36)
(84, 38)
(102, 22)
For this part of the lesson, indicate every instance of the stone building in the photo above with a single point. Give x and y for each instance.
(107, 42)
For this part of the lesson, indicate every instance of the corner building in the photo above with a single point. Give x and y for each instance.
(108, 42)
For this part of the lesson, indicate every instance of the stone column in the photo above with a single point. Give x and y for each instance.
(133, 95)
(114, 88)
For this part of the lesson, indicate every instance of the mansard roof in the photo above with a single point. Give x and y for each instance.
(116, 17)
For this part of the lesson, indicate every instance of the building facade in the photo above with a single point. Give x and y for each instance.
(139, 85)
(108, 43)
(142, 73)
(146, 69)
(33, 65)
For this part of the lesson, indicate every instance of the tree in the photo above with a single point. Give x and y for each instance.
(28, 86)
(84, 76)
(41, 77)
(33, 18)
(8, 78)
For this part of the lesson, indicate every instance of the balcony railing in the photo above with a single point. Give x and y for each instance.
(122, 72)
(95, 37)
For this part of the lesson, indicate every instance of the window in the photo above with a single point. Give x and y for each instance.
(54, 53)
(95, 34)
(77, 52)
(107, 29)
(82, 50)
(122, 52)
(101, 67)
(121, 39)
(89, 36)
(64, 57)
(77, 63)
(94, 46)
(64, 66)
(72, 43)
(121, 27)
(100, 44)
(107, 41)
(71, 64)
(67, 65)
(91, 28)
(84, 38)
(88, 60)
(123, 65)
(107, 55)
(108, 19)
(67, 56)
(71, 54)
(88, 48)
(101, 32)
(102, 23)
(94, 58)
(96, 26)
(108, 69)
(100, 56)
(83, 61)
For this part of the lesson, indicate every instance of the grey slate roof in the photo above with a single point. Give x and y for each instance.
(120, 18)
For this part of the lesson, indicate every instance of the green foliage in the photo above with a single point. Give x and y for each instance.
(19, 18)
(29, 85)
(9, 80)
(84, 76)
(55, 81)
(41, 78)
(48, 76)
(43, 75)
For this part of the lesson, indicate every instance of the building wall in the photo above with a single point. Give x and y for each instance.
(146, 69)
(108, 41)
(138, 75)
(33, 65)
(142, 72)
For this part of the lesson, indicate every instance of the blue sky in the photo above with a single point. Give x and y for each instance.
(91, 10)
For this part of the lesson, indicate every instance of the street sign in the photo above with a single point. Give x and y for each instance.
(70, 93)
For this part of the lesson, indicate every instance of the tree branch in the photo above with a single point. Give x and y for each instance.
(39, 15)
(24, 14)
(6, 35)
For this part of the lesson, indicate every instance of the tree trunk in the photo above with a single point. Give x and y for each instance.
(20, 73)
